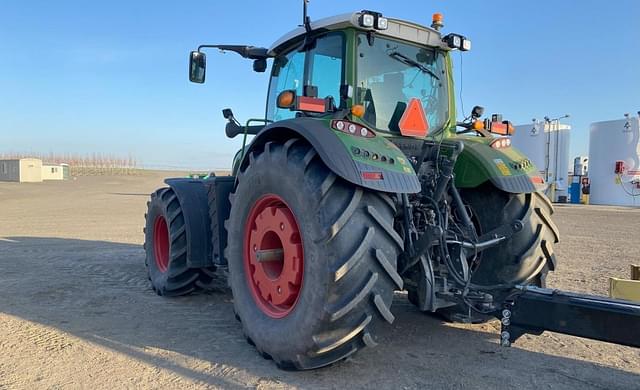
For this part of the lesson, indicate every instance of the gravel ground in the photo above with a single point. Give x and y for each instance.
(76, 310)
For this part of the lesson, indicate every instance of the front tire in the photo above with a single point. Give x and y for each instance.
(323, 299)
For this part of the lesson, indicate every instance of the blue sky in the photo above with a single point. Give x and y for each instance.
(111, 77)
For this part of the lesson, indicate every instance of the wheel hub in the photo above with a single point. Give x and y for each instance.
(161, 243)
(274, 257)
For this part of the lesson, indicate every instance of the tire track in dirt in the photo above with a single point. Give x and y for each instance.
(112, 276)
(21, 334)
(117, 274)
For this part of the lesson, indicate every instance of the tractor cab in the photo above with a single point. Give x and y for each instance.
(363, 65)
(374, 72)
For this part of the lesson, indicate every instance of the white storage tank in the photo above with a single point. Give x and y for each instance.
(614, 162)
(546, 143)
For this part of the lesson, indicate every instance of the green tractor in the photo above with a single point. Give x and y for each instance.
(359, 182)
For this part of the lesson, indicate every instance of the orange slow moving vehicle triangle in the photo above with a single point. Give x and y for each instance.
(414, 121)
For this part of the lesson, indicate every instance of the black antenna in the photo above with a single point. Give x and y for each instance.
(306, 21)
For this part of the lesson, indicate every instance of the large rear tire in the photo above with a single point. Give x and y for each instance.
(323, 298)
(526, 257)
(165, 246)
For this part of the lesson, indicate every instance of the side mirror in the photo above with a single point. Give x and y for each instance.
(477, 112)
(227, 113)
(197, 67)
(260, 65)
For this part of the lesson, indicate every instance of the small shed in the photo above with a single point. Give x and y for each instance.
(65, 171)
(23, 170)
(52, 171)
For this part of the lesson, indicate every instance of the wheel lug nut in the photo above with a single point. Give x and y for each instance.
(255, 248)
(279, 290)
(282, 226)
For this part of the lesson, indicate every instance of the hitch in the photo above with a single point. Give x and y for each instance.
(534, 310)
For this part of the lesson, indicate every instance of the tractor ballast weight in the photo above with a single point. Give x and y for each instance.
(365, 184)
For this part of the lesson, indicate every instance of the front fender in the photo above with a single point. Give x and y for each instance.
(508, 169)
(192, 195)
(338, 151)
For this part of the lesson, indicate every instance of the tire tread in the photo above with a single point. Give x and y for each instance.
(363, 278)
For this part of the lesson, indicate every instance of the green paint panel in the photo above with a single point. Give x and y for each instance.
(479, 162)
(364, 149)
(360, 148)
(236, 162)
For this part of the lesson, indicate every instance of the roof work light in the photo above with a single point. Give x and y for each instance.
(457, 41)
(371, 19)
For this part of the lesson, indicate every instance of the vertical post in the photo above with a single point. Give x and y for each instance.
(304, 11)
(635, 272)
(546, 129)
(305, 19)
(556, 157)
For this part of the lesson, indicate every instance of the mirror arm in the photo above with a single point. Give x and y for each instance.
(251, 52)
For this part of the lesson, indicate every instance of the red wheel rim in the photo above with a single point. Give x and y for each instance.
(273, 256)
(161, 243)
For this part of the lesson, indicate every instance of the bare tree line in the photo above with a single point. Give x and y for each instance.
(93, 164)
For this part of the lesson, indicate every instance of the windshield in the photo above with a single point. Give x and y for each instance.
(391, 73)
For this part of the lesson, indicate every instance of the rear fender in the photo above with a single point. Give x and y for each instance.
(508, 169)
(339, 152)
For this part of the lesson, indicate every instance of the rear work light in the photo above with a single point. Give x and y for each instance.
(352, 128)
(372, 19)
(457, 41)
(367, 20)
(501, 143)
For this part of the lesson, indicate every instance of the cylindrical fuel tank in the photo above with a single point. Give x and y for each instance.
(547, 146)
(614, 162)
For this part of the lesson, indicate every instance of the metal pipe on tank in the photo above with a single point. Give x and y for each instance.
(558, 144)
(553, 125)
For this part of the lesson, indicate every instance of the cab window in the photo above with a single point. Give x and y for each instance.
(320, 66)
(288, 73)
(325, 66)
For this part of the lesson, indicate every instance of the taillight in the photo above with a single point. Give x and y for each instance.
(352, 128)
(501, 143)
(372, 176)
(537, 180)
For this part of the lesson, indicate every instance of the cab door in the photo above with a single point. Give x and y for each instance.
(320, 66)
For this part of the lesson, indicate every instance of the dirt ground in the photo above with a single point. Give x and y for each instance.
(76, 310)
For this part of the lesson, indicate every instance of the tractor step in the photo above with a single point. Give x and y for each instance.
(535, 310)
